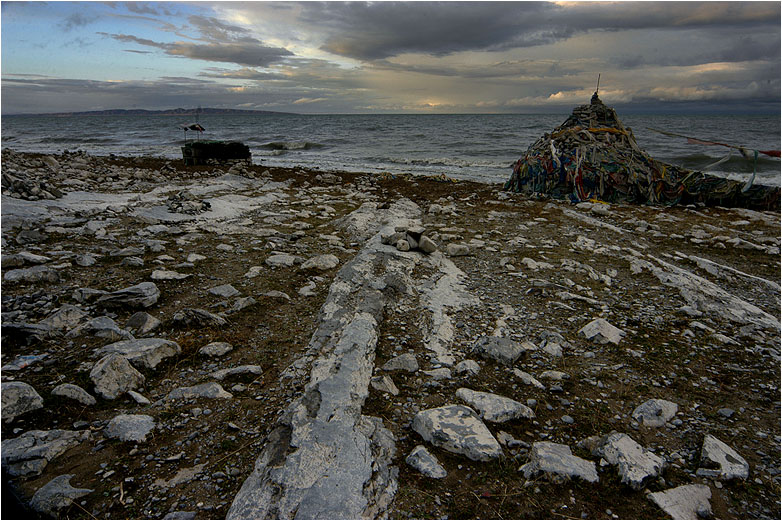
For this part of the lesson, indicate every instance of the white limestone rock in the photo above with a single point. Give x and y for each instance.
(467, 368)
(233, 371)
(406, 362)
(636, 464)
(321, 263)
(216, 349)
(655, 412)
(494, 408)
(599, 330)
(168, 275)
(205, 390)
(503, 350)
(720, 461)
(142, 323)
(130, 427)
(143, 352)
(457, 429)
(528, 379)
(384, 384)
(557, 461)
(224, 290)
(56, 495)
(684, 502)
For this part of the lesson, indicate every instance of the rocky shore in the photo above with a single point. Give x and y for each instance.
(251, 342)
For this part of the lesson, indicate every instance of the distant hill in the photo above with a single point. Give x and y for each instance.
(166, 112)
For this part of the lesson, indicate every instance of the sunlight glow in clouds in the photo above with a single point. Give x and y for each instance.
(390, 56)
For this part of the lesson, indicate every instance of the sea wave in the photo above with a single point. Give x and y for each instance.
(291, 145)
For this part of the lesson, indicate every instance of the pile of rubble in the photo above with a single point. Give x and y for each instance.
(592, 155)
(187, 203)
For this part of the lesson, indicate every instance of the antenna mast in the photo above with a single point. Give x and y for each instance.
(597, 89)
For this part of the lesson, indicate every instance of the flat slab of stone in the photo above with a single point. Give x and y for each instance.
(600, 331)
(216, 349)
(198, 317)
(636, 464)
(406, 362)
(426, 463)
(557, 460)
(655, 412)
(56, 495)
(384, 384)
(34, 274)
(168, 275)
(66, 317)
(141, 295)
(103, 327)
(282, 260)
(457, 429)
(143, 352)
(233, 371)
(29, 454)
(74, 392)
(206, 390)
(18, 398)
(224, 290)
(321, 262)
(503, 350)
(684, 502)
(720, 461)
(493, 407)
(113, 376)
(130, 427)
(528, 379)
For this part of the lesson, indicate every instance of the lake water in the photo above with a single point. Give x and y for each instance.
(476, 147)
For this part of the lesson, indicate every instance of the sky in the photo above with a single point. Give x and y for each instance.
(390, 57)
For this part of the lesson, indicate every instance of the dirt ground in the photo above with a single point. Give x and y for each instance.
(202, 449)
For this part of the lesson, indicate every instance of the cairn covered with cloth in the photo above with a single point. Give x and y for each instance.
(592, 155)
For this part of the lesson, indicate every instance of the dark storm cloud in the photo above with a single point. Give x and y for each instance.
(246, 51)
(385, 29)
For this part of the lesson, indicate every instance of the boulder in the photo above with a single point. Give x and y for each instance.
(283, 260)
(29, 454)
(719, 461)
(224, 291)
(427, 245)
(684, 502)
(130, 427)
(467, 368)
(426, 463)
(503, 350)
(457, 250)
(74, 392)
(559, 462)
(103, 327)
(113, 375)
(32, 275)
(384, 384)
(457, 429)
(655, 412)
(636, 464)
(494, 408)
(141, 295)
(56, 495)
(18, 398)
(143, 352)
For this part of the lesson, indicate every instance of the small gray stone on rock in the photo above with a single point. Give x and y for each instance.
(426, 463)
(130, 427)
(457, 429)
(56, 495)
(74, 392)
(18, 398)
(427, 245)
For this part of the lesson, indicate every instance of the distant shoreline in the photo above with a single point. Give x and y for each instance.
(165, 112)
